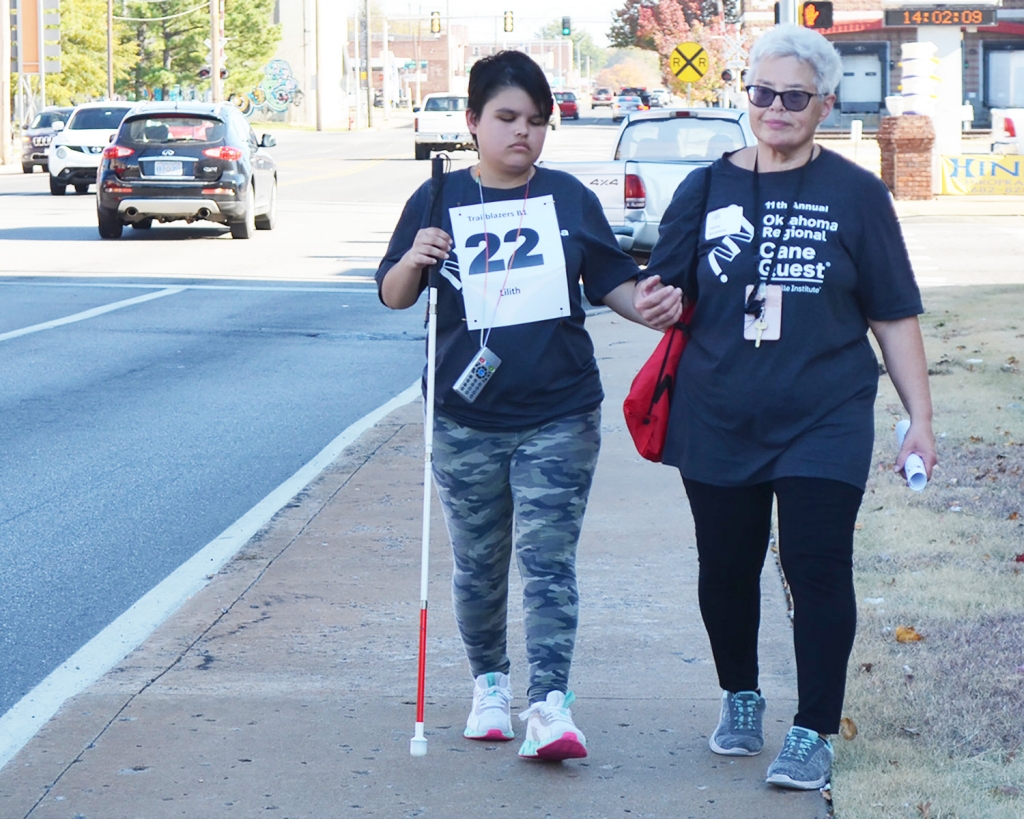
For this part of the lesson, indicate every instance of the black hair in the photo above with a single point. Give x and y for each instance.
(508, 69)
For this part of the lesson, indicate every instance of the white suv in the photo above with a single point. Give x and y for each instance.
(74, 153)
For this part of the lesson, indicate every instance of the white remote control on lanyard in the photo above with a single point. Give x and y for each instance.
(477, 374)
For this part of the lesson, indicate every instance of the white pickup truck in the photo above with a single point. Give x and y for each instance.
(440, 125)
(654, 152)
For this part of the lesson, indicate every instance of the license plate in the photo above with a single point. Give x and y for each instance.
(165, 167)
(450, 137)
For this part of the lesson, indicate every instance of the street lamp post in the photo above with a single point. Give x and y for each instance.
(110, 49)
(215, 87)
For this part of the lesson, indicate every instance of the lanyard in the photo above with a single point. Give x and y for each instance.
(755, 303)
(485, 332)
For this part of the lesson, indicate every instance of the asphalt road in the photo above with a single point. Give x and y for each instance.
(134, 434)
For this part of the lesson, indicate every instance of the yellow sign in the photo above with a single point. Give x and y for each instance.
(983, 175)
(689, 62)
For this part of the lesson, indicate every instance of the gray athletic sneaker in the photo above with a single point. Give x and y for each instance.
(804, 763)
(739, 731)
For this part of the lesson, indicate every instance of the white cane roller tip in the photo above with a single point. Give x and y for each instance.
(417, 747)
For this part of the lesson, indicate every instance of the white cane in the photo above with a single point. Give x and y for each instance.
(418, 744)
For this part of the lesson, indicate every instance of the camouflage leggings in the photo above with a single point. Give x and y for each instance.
(527, 488)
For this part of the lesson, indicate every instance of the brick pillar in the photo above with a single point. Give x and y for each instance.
(906, 144)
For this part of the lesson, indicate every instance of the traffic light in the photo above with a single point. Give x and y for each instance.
(816, 15)
(508, 21)
(566, 27)
(435, 22)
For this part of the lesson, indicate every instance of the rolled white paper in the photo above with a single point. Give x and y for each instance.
(913, 467)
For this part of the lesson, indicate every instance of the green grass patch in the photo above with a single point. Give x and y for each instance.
(940, 722)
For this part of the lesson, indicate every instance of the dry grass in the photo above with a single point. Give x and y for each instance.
(941, 721)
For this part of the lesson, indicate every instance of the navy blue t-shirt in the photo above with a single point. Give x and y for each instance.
(801, 406)
(547, 370)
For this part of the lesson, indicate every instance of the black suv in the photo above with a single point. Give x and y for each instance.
(37, 135)
(188, 161)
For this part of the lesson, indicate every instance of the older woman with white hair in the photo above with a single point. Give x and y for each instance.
(799, 253)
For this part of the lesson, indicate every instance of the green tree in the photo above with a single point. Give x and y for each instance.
(170, 40)
(581, 39)
(625, 24)
(83, 45)
(252, 41)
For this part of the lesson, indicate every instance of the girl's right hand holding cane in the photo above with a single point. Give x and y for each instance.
(431, 245)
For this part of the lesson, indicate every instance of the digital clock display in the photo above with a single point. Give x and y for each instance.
(940, 16)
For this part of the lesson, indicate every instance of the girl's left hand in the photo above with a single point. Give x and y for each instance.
(658, 304)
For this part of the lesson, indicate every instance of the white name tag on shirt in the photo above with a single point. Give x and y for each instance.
(724, 222)
(512, 272)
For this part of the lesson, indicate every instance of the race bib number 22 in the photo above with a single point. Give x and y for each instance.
(512, 265)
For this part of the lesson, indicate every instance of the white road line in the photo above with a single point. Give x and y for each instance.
(371, 286)
(88, 314)
(131, 629)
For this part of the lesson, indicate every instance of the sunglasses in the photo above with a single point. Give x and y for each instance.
(763, 97)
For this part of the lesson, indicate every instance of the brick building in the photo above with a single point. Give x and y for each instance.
(993, 74)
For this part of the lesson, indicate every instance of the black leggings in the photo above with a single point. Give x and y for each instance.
(816, 522)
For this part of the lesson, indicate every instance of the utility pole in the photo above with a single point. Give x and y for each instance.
(215, 87)
(42, 54)
(110, 49)
(369, 66)
(385, 84)
(316, 52)
(788, 12)
(5, 84)
(358, 66)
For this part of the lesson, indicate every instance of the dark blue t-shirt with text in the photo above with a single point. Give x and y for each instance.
(801, 406)
(547, 369)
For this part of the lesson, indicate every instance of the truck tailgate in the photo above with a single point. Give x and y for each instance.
(660, 182)
(606, 178)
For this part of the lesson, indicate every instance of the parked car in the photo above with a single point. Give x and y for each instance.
(567, 104)
(188, 161)
(1008, 130)
(37, 135)
(440, 125)
(624, 105)
(555, 121)
(602, 96)
(74, 152)
(653, 154)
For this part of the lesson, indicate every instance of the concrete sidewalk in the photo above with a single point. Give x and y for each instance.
(286, 687)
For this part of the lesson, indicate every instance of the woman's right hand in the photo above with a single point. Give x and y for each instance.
(430, 245)
(658, 304)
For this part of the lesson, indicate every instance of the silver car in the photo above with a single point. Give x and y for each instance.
(624, 105)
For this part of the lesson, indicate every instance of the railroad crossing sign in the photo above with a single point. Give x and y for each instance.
(689, 62)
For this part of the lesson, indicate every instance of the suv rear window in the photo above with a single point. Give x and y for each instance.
(88, 119)
(173, 129)
(445, 104)
(687, 138)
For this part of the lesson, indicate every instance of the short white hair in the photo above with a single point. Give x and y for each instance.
(808, 46)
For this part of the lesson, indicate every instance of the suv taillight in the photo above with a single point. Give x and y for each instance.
(636, 194)
(1008, 125)
(116, 152)
(225, 152)
(416, 124)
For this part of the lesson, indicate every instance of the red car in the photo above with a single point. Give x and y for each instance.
(567, 104)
